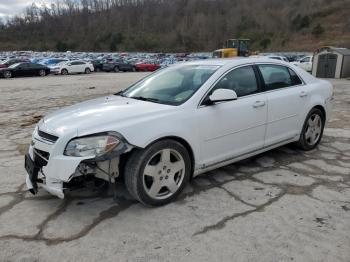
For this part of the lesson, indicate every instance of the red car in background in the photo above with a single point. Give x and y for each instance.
(150, 67)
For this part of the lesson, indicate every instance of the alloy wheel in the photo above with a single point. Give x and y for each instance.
(313, 130)
(163, 174)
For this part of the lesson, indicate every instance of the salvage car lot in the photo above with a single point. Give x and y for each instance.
(279, 206)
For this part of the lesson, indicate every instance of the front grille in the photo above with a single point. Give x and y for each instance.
(41, 157)
(48, 137)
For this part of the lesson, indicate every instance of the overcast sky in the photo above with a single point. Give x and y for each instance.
(15, 7)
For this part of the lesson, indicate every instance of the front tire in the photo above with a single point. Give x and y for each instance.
(87, 71)
(156, 175)
(312, 131)
(7, 74)
(116, 69)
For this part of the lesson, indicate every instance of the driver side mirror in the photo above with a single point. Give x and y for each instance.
(222, 95)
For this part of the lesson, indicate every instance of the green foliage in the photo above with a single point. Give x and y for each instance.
(318, 30)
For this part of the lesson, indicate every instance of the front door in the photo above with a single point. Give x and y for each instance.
(229, 129)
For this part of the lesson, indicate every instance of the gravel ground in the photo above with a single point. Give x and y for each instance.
(283, 205)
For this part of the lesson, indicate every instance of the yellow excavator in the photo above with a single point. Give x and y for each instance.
(233, 48)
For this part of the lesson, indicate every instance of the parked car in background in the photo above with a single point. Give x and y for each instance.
(194, 117)
(282, 58)
(305, 63)
(97, 65)
(117, 65)
(147, 66)
(24, 69)
(12, 61)
(72, 67)
(53, 61)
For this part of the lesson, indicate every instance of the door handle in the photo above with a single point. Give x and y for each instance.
(259, 104)
(303, 94)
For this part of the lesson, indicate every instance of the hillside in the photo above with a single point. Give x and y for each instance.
(178, 25)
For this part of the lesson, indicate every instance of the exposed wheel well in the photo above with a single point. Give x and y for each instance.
(321, 108)
(185, 144)
(180, 140)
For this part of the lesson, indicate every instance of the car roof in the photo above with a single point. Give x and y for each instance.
(235, 61)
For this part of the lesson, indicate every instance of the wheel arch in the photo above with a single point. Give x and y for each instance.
(322, 109)
(182, 142)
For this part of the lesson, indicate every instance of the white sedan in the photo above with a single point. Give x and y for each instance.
(305, 63)
(177, 123)
(72, 67)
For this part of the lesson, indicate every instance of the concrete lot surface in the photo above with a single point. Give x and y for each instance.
(284, 205)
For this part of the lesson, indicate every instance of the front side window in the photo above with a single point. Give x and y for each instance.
(172, 86)
(241, 80)
(275, 76)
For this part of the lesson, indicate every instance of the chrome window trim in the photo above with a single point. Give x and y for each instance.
(259, 93)
(267, 63)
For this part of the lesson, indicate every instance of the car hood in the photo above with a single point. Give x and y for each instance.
(100, 115)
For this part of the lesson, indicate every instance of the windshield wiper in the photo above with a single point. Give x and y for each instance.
(142, 98)
(120, 93)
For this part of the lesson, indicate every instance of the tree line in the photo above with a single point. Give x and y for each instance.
(163, 25)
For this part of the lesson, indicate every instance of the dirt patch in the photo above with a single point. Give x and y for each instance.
(33, 120)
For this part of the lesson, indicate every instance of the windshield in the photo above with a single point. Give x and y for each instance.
(171, 86)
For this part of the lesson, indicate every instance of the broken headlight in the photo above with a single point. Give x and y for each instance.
(91, 146)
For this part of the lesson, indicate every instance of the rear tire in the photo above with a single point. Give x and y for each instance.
(42, 72)
(156, 175)
(64, 72)
(116, 69)
(312, 131)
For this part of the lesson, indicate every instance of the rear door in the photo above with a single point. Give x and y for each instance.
(286, 97)
(233, 128)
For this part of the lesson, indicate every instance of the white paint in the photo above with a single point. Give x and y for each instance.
(216, 133)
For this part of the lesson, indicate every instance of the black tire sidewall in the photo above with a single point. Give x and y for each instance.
(64, 72)
(144, 157)
(87, 71)
(7, 74)
(302, 141)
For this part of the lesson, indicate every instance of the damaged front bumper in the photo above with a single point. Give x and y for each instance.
(46, 165)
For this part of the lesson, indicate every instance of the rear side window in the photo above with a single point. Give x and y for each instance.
(276, 77)
(78, 63)
(295, 78)
(241, 80)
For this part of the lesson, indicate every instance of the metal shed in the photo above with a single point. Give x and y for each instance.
(332, 62)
